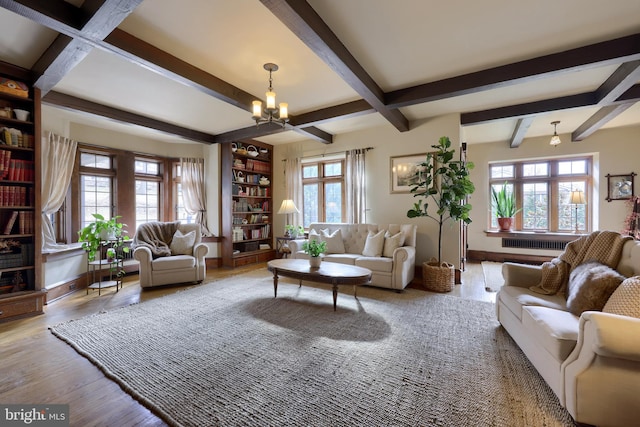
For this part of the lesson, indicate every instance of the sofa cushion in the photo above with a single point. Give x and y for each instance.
(555, 330)
(375, 263)
(590, 286)
(625, 300)
(391, 243)
(515, 298)
(334, 242)
(173, 262)
(182, 244)
(342, 258)
(374, 244)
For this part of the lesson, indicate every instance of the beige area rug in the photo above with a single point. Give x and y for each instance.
(493, 279)
(228, 353)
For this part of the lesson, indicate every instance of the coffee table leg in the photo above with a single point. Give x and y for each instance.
(335, 296)
(275, 283)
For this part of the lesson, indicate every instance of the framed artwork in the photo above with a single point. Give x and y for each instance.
(620, 187)
(403, 172)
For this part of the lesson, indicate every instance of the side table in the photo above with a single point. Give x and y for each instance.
(98, 267)
(282, 246)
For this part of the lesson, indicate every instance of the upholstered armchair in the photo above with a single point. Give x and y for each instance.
(169, 253)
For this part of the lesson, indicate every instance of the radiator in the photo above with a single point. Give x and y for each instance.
(534, 244)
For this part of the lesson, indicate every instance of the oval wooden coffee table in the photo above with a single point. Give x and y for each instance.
(332, 273)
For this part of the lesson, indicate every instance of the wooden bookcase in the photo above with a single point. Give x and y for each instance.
(21, 292)
(247, 203)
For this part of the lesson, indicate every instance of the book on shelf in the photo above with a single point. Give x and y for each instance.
(11, 222)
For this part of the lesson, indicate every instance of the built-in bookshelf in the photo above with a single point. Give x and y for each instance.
(20, 241)
(247, 204)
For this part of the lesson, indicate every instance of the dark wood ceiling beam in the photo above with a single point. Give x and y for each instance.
(341, 111)
(316, 134)
(250, 132)
(520, 131)
(77, 104)
(307, 25)
(615, 51)
(530, 108)
(625, 76)
(599, 119)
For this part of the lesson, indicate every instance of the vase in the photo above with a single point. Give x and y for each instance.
(315, 261)
(505, 223)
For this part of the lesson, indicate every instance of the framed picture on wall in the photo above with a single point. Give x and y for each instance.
(404, 172)
(620, 187)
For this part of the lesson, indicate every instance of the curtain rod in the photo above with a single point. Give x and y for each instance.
(331, 154)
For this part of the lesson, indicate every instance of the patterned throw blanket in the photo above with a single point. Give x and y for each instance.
(604, 247)
(156, 236)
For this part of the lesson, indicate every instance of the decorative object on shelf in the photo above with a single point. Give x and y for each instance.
(577, 198)
(271, 114)
(446, 183)
(620, 187)
(252, 151)
(21, 114)
(504, 206)
(264, 180)
(93, 234)
(555, 139)
(6, 112)
(287, 207)
(239, 176)
(111, 254)
(234, 147)
(314, 248)
(14, 87)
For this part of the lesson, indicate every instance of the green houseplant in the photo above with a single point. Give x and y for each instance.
(314, 248)
(504, 206)
(101, 230)
(294, 230)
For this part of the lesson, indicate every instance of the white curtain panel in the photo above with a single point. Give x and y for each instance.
(356, 186)
(193, 192)
(293, 186)
(58, 157)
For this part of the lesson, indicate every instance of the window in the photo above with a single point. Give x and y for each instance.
(323, 191)
(148, 179)
(543, 189)
(96, 187)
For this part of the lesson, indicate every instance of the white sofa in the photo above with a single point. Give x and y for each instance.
(395, 271)
(591, 362)
(187, 265)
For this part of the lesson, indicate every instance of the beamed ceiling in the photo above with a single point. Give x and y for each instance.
(189, 70)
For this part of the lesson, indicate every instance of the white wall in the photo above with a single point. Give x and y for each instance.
(384, 207)
(615, 151)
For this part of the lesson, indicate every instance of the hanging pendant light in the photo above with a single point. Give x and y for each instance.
(555, 139)
(271, 114)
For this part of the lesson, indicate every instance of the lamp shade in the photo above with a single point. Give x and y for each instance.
(288, 207)
(577, 198)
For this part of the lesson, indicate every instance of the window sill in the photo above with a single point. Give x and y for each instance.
(72, 250)
(534, 235)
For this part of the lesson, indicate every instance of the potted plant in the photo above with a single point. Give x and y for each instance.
(444, 183)
(102, 230)
(504, 205)
(294, 230)
(314, 248)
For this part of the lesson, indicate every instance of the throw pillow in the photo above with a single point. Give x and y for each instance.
(182, 244)
(626, 299)
(374, 243)
(313, 235)
(334, 242)
(391, 243)
(590, 286)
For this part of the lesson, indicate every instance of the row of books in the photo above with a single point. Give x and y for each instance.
(252, 219)
(243, 205)
(20, 222)
(258, 166)
(15, 169)
(12, 195)
(15, 138)
(239, 190)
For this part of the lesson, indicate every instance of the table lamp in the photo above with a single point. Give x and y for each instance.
(577, 198)
(287, 207)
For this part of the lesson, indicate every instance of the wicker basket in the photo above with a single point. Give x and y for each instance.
(438, 278)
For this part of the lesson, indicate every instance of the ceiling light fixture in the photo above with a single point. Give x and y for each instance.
(555, 139)
(270, 114)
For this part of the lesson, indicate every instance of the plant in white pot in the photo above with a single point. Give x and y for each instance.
(504, 206)
(444, 184)
(314, 248)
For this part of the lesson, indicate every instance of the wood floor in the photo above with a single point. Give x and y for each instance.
(38, 368)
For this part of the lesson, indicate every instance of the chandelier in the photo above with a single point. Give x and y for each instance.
(270, 114)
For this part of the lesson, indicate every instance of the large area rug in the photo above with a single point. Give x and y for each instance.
(228, 353)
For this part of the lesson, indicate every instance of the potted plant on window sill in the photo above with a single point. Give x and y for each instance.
(314, 248)
(504, 204)
(102, 230)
